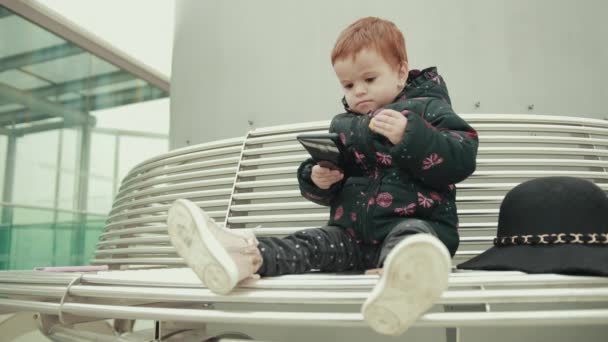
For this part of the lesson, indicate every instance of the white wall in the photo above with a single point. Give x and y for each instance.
(268, 61)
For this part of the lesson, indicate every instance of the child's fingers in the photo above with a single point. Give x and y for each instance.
(324, 180)
(377, 125)
(325, 183)
(320, 170)
(332, 178)
(325, 169)
(390, 121)
(390, 113)
(380, 126)
(381, 121)
(387, 119)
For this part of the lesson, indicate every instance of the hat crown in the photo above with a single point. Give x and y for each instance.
(553, 205)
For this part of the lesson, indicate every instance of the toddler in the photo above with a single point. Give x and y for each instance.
(392, 201)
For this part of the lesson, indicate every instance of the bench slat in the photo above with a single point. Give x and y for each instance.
(179, 177)
(306, 319)
(186, 153)
(451, 297)
(168, 188)
(169, 198)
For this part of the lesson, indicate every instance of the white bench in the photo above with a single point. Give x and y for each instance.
(250, 182)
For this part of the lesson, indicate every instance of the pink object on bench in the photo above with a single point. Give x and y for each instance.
(73, 268)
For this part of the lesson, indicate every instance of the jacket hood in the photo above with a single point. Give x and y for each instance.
(420, 83)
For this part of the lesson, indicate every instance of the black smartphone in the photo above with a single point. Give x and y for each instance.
(324, 148)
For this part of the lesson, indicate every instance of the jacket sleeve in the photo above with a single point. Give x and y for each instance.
(439, 152)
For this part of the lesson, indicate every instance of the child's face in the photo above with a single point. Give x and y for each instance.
(368, 81)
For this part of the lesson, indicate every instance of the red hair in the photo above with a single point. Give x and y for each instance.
(380, 34)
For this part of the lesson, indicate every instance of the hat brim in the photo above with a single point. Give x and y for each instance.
(563, 259)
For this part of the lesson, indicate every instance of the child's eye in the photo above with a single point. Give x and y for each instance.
(348, 86)
(370, 79)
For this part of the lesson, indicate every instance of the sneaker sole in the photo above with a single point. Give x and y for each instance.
(415, 275)
(195, 243)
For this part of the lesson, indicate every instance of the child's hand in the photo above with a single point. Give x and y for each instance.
(389, 123)
(324, 177)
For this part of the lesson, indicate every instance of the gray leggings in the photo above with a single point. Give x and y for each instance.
(331, 249)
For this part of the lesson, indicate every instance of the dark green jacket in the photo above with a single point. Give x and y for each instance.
(384, 183)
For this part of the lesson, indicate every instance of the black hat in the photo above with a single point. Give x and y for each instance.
(550, 225)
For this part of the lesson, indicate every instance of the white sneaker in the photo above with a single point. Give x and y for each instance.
(220, 257)
(415, 275)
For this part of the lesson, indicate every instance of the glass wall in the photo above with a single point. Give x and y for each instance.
(35, 169)
(101, 175)
(66, 180)
(59, 179)
(3, 141)
(47, 237)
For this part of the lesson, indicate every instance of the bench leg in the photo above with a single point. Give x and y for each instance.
(122, 326)
(453, 334)
(180, 331)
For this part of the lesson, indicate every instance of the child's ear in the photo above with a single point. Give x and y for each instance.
(403, 72)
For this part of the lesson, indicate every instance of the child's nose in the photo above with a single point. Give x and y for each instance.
(360, 90)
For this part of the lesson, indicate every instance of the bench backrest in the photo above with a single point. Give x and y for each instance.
(136, 230)
(251, 182)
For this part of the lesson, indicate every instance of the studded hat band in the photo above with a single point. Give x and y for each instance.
(553, 239)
